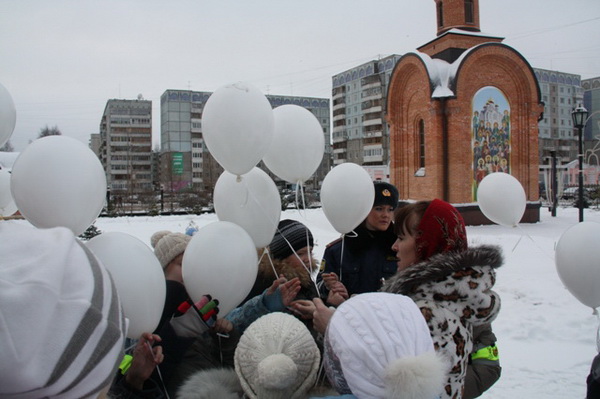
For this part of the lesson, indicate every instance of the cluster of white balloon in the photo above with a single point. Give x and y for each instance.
(502, 199)
(58, 181)
(240, 128)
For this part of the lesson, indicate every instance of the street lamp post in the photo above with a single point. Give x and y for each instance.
(579, 116)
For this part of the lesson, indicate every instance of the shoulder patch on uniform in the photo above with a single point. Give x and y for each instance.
(333, 242)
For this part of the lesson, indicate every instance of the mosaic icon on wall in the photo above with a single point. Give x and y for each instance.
(490, 134)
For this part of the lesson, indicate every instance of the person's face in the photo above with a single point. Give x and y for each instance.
(405, 247)
(380, 217)
(173, 270)
(301, 259)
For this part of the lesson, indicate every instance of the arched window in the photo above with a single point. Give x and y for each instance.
(421, 144)
(440, 13)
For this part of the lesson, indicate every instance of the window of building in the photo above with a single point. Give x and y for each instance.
(440, 14)
(469, 12)
(421, 144)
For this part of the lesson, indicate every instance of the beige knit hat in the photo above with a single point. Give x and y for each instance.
(167, 245)
(277, 358)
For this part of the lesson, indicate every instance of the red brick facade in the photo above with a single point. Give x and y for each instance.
(447, 119)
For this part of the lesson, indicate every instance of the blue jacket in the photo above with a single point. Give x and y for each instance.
(367, 259)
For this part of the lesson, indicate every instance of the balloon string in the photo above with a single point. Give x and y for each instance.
(595, 312)
(300, 190)
(310, 257)
(251, 195)
(349, 234)
(342, 256)
(524, 233)
(266, 251)
(160, 377)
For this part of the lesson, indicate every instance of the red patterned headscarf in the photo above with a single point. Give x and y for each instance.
(442, 229)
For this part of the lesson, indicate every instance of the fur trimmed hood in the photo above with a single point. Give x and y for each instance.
(454, 292)
(211, 384)
(462, 281)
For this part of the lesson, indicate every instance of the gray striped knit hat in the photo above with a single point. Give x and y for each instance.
(61, 324)
(289, 238)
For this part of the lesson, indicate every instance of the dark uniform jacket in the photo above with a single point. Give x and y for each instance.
(367, 259)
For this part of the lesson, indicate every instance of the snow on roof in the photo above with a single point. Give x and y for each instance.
(470, 33)
(442, 73)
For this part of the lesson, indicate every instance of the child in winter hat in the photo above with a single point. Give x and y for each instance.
(277, 358)
(378, 345)
(61, 323)
(167, 245)
(290, 236)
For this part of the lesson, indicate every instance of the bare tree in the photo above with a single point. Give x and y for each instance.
(49, 131)
(7, 147)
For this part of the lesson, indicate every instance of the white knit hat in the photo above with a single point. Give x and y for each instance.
(277, 357)
(167, 245)
(383, 346)
(61, 323)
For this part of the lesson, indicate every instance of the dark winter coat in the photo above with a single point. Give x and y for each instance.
(454, 292)
(368, 258)
(481, 373)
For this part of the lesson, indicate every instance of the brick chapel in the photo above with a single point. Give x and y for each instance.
(460, 107)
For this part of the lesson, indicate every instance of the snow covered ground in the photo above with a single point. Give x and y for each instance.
(546, 338)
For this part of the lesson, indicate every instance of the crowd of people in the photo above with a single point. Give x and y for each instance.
(401, 308)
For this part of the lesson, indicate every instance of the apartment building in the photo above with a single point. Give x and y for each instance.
(360, 133)
(186, 163)
(591, 102)
(125, 145)
(561, 92)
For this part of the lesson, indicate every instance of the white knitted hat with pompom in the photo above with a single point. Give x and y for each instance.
(277, 358)
(384, 348)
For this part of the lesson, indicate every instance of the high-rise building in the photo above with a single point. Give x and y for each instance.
(126, 146)
(185, 160)
(183, 163)
(561, 93)
(360, 133)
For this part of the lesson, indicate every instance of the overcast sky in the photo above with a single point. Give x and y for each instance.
(62, 60)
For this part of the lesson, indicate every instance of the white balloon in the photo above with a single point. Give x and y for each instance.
(237, 126)
(252, 202)
(138, 276)
(347, 196)
(578, 262)
(59, 181)
(501, 198)
(8, 115)
(298, 144)
(220, 261)
(7, 204)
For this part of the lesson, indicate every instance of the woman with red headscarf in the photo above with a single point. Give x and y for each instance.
(452, 285)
